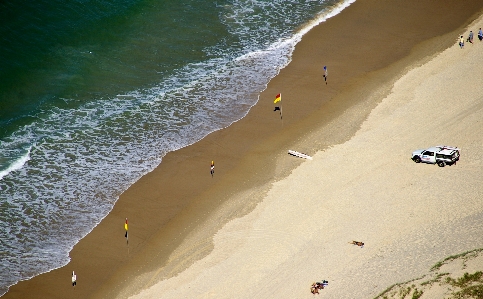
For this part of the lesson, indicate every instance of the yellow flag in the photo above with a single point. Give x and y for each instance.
(278, 98)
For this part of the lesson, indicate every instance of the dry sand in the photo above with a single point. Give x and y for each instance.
(450, 278)
(265, 228)
(409, 215)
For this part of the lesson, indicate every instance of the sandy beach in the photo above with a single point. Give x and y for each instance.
(409, 215)
(267, 224)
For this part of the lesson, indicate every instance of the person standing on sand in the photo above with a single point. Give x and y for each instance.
(462, 42)
(325, 73)
(74, 279)
(480, 35)
(126, 228)
(212, 168)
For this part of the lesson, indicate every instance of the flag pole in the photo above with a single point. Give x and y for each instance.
(281, 108)
(278, 98)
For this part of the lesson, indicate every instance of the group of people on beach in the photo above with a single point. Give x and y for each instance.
(316, 286)
(470, 38)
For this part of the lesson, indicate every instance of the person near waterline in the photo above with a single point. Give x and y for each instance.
(212, 168)
(74, 279)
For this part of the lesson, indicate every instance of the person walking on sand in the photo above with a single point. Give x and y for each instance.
(212, 168)
(462, 42)
(326, 73)
(74, 279)
(470, 37)
(480, 35)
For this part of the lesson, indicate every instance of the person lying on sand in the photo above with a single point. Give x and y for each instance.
(322, 284)
(314, 289)
(361, 244)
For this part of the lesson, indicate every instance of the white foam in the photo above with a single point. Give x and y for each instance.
(17, 164)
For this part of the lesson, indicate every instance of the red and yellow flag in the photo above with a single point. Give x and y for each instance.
(278, 98)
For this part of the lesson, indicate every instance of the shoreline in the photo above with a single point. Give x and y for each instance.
(240, 153)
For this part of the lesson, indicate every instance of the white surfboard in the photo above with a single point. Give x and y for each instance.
(300, 155)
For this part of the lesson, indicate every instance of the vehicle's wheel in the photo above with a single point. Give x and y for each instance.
(417, 159)
(441, 164)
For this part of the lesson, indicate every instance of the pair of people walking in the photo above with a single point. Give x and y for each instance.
(470, 36)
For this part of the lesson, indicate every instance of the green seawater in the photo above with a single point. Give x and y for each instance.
(58, 54)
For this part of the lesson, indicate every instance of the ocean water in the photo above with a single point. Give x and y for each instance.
(94, 93)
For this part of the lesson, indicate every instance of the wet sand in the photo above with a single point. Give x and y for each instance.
(175, 211)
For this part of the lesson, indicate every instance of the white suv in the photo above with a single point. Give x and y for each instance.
(441, 155)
